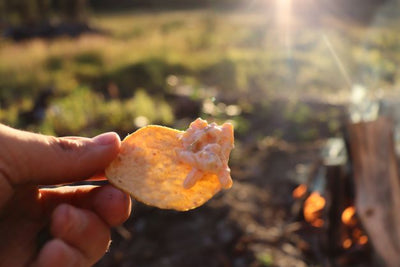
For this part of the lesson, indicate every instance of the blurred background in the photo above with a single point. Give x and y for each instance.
(284, 72)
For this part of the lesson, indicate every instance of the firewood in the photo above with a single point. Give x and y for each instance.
(377, 185)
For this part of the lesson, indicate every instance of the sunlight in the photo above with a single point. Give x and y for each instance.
(284, 10)
(343, 71)
(284, 20)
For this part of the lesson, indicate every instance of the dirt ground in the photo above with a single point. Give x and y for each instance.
(235, 228)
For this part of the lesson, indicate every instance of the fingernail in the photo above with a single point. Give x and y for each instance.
(105, 138)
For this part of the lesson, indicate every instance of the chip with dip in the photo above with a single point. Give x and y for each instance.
(172, 169)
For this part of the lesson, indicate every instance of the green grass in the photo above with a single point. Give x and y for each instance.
(240, 57)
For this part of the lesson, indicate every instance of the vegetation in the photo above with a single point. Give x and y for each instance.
(33, 12)
(147, 61)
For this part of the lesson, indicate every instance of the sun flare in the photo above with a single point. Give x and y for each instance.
(283, 12)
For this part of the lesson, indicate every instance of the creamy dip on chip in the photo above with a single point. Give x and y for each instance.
(206, 148)
(171, 169)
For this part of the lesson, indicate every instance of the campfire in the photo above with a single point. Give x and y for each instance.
(355, 236)
(337, 235)
(326, 206)
(313, 209)
(349, 205)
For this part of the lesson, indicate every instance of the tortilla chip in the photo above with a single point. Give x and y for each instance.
(148, 168)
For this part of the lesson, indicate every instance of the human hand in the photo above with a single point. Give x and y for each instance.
(79, 218)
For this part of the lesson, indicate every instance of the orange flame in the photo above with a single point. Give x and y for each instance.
(299, 191)
(357, 236)
(313, 206)
(348, 216)
(347, 243)
(363, 240)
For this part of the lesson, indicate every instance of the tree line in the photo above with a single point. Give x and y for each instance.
(39, 12)
(36, 12)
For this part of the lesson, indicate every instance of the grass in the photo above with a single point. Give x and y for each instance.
(238, 57)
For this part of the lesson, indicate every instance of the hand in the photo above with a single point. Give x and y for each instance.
(78, 219)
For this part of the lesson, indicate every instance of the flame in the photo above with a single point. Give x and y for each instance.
(299, 191)
(356, 235)
(313, 206)
(347, 243)
(363, 240)
(348, 216)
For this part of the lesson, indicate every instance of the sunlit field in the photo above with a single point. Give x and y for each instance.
(282, 74)
(244, 56)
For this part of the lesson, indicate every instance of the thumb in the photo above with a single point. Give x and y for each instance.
(39, 159)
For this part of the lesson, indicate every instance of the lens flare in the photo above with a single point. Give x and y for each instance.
(284, 21)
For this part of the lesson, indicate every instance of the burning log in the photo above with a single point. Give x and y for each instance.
(354, 206)
(336, 236)
(377, 185)
(338, 198)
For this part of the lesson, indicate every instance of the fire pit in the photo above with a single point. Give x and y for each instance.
(349, 204)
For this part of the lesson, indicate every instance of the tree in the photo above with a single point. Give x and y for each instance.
(24, 19)
(37, 12)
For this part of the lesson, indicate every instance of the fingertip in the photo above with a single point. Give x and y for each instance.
(113, 205)
(107, 147)
(107, 139)
(57, 253)
(66, 219)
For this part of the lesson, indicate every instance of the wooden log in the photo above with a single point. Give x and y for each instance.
(377, 185)
(337, 200)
